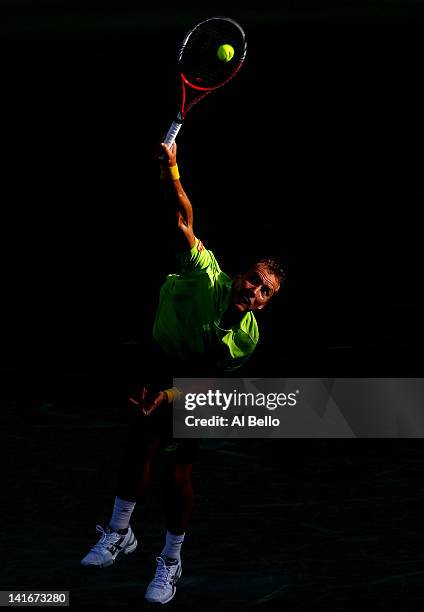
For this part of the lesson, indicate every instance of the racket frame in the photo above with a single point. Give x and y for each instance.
(185, 83)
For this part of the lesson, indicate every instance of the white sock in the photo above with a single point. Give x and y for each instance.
(172, 546)
(121, 516)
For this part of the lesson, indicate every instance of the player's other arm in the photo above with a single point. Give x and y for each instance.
(184, 209)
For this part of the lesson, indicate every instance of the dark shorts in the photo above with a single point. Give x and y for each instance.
(157, 372)
(145, 431)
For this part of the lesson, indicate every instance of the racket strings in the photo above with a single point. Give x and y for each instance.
(199, 60)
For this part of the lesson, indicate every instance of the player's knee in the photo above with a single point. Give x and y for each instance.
(181, 475)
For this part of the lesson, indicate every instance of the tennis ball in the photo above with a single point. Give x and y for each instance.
(225, 53)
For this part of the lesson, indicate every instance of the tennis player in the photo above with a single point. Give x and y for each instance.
(204, 325)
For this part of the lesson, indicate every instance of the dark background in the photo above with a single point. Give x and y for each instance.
(313, 153)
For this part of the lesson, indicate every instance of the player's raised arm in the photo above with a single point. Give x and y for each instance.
(171, 178)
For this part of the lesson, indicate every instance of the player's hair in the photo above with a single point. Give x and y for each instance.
(274, 266)
(272, 263)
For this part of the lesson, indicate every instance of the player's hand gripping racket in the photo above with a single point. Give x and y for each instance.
(211, 54)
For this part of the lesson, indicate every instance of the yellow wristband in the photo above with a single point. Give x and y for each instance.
(172, 394)
(169, 172)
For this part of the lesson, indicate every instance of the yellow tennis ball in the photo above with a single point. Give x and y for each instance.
(225, 53)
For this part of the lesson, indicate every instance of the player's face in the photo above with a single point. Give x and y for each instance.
(254, 289)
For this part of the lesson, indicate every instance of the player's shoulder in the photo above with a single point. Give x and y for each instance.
(198, 259)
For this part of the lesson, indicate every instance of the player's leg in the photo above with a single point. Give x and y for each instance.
(179, 501)
(117, 537)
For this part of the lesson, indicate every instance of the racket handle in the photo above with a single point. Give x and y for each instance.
(172, 132)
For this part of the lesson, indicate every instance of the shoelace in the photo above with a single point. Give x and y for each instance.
(163, 571)
(107, 538)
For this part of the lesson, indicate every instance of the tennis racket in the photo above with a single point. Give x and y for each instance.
(211, 54)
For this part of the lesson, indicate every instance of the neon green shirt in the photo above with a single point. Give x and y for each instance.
(191, 305)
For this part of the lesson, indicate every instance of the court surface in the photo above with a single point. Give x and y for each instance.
(332, 524)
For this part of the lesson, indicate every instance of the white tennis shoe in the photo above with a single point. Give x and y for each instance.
(110, 545)
(162, 588)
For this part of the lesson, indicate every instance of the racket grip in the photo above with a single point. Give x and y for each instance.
(172, 132)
